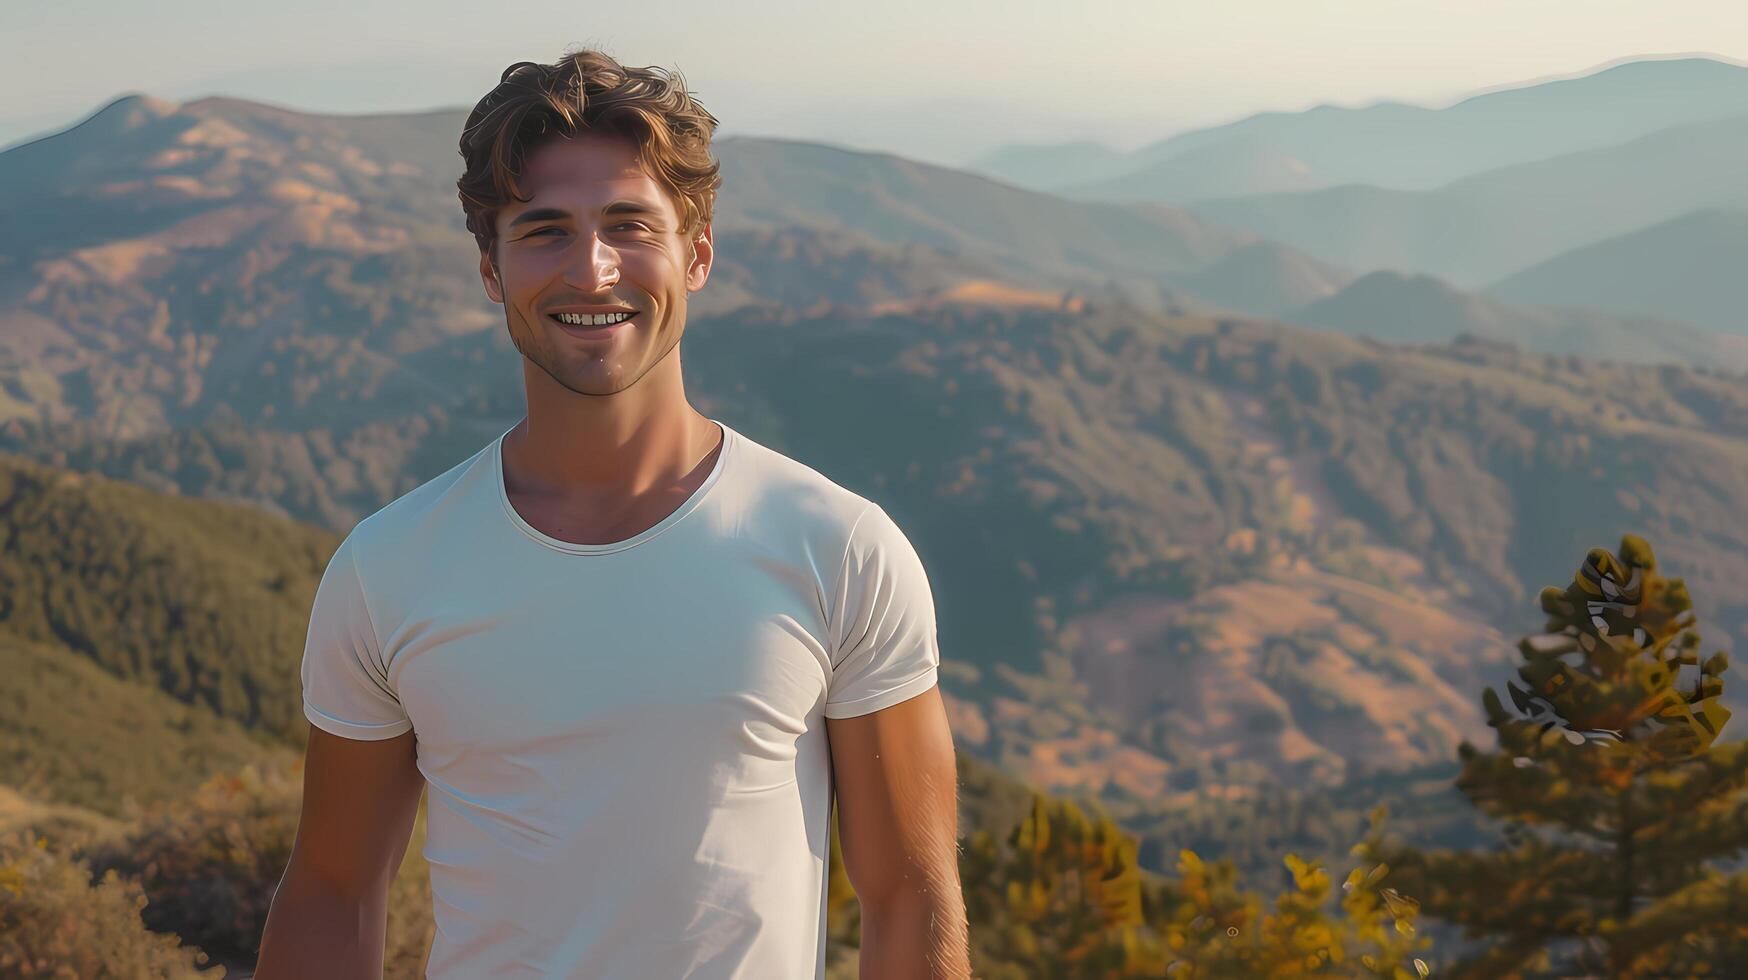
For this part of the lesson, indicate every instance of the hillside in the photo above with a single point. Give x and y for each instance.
(1421, 309)
(1688, 268)
(1287, 513)
(76, 734)
(1073, 472)
(157, 590)
(1101, 488)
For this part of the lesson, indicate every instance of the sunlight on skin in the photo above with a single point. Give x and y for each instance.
(898, 824)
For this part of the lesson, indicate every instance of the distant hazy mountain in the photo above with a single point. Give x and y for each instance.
(1043, 166)
(1036, 237)
(1407, 308)
(1480, 228)
(1389, 145)
(1237, 166)
(1268, 279)
(1420, 309)
(1690, 268)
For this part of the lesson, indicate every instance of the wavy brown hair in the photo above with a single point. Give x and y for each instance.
(586, 90)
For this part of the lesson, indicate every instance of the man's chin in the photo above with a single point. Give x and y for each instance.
(580, 382)
(591, 385)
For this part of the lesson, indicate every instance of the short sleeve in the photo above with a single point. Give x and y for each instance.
(886, 646)
(345, 688)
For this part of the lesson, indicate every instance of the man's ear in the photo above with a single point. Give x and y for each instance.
(488, 274)
(703, 254)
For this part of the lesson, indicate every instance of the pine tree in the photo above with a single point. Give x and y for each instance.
(1614, 794)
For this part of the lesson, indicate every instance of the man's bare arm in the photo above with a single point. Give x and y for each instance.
(897, 794)
(329, 915)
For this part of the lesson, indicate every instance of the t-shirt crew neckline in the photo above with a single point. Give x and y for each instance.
(691, 503)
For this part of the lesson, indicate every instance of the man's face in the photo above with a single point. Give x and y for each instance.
(578, 245)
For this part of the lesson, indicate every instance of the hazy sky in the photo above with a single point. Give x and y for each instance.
(938, 80)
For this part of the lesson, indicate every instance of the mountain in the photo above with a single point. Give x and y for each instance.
(1304, 549)
(1036, 237)
(1187, 486)
(1688, 268)
(1421, 309)
(1389, 144)
(1152, 256)
(151, 252)
(1232, 167)
(1267, 279)
(1043, 166)
(1478, 229)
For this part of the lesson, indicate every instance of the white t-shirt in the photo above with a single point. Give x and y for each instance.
(624, 743)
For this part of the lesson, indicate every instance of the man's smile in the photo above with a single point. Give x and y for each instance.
(595, 327)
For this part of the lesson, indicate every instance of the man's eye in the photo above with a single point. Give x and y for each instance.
(622, 224)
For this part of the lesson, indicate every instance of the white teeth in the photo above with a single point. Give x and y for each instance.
(592, 319)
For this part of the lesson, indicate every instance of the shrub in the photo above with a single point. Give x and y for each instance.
(210, 866)
(55, 922)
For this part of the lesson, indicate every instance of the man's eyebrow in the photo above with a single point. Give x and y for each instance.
(630, 207)
(558, 214)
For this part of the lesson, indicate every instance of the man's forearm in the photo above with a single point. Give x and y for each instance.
(314, 931)
(916, 937)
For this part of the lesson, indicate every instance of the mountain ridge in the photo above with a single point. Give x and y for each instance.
(1391, 144)
(1684, 268)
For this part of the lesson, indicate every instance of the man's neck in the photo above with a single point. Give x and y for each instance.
(607, 450)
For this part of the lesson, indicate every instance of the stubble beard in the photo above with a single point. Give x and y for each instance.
(531, 345)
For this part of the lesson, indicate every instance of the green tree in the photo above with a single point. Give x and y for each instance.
(1613, 791)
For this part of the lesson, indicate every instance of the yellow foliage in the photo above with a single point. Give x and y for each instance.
(56, 922)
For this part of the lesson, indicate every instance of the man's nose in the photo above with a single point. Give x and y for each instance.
(594, 266)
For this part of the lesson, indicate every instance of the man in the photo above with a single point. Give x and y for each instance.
(631, 652)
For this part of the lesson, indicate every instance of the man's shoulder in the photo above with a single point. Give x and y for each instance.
(410, 515)
(842, 527)
(778, 487)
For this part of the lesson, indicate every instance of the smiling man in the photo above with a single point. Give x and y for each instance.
(634, 654)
